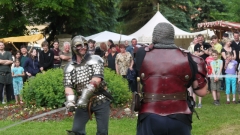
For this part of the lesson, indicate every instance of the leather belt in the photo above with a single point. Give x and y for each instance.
(153, 97)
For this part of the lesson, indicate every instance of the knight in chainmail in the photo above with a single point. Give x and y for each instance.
(85, 75)
(166, 72)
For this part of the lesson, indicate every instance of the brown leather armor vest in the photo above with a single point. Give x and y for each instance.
(164, 74)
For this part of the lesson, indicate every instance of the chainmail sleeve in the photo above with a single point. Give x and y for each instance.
(96, 63)
(98, 70)
(69, 77)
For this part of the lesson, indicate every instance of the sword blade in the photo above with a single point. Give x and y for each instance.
(33, 118)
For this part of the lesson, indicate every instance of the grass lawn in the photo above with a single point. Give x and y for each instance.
(214, 120)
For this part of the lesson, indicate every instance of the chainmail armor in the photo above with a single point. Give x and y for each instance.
(163, 36)
(81, 75)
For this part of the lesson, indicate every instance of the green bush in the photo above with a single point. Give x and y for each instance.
(47, 89)
(118, 87)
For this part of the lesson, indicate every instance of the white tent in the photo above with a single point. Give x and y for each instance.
(106, 35)
(182, 38)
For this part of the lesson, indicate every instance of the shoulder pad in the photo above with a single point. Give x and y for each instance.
(201, 65)
(94, 59)
(197, 59)
(183, 50)
(69, 67)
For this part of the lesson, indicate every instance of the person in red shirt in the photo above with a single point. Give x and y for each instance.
(109, 43)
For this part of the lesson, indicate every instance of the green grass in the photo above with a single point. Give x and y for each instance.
(214, 120)
(217, 120)
(116, 127)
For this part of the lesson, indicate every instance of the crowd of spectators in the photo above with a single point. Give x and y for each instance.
(16, 68)
(118, 57)
(222, 61)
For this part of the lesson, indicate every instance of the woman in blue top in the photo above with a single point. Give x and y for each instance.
(31, 66)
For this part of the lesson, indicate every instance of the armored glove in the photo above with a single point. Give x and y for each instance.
(70, 103)
(87, 93)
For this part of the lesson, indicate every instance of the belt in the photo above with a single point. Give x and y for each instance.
(153, 97)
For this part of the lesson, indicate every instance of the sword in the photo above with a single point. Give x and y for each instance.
(33, 118)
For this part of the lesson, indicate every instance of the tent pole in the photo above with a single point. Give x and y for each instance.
(14, 46)
(31, 47)
(158, 6)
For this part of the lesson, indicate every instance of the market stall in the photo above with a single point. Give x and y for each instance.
(220, 27)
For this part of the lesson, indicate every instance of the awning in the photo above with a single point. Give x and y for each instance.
(31, 38)
(221, 25)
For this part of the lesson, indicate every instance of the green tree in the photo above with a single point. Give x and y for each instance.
(134, 14)
(209, 10)
(184, 14)
(137, 13)
(231, 12)
(12, 19)
(83, 17)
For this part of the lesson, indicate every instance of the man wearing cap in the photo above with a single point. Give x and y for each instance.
(85, 75)
(166, 72)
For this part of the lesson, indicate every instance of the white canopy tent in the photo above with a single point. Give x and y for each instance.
(106, 35)
(182, 38)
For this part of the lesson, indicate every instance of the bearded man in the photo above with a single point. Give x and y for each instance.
(85, 75)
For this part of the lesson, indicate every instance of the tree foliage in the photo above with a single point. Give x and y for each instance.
(134, 14)
(83, 17)
(12, 19)
(87, 17)
(231, 13)
(209, 10)
(184, 14)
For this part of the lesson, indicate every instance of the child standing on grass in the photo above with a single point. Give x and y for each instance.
(208, 60)
(230, 66)
(17, 73)
(215, 83)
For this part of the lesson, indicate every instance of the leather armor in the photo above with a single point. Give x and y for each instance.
(202, 72)
(165, 75)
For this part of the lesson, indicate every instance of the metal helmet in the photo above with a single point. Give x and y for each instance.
(163, 34)
(78, 40)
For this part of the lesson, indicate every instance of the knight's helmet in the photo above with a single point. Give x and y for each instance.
(163, 34)
(78, 40)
